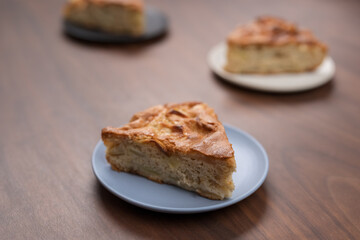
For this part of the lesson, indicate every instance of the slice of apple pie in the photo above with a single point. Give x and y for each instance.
(124, 17)
(272, 45)
(181, 144)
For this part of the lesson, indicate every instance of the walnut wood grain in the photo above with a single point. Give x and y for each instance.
(56, 94)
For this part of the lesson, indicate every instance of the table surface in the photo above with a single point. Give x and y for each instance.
(56, 94)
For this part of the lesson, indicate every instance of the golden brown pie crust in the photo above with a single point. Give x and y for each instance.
(271, 31)
(137, 5)
(190, 127)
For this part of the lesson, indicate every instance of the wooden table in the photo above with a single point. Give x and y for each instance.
(56, 94)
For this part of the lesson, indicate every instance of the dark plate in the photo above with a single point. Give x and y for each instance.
(156, 26)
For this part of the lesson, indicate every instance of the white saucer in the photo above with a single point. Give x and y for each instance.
(275, 82)
(252, 167)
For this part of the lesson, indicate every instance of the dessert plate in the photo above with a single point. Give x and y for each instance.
(252, 167)
(292, 82)
(156, 26)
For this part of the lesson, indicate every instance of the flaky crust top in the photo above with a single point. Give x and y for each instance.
(137, 5)
(185, 127)
(271, 31)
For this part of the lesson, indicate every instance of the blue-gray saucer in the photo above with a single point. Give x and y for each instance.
(252, 167)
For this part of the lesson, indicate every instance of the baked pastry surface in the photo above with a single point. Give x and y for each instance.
(124, 17)
(273, 45)
(181, 144)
